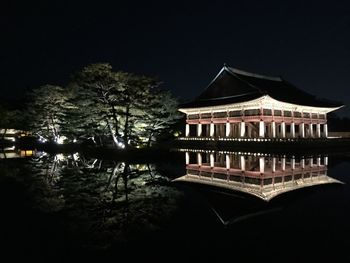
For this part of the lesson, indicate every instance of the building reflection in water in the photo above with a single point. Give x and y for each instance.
(263, 176)
(12, 152)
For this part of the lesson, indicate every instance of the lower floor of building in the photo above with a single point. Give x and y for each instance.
(257, 130)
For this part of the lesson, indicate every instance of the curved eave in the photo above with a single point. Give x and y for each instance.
(272, 194)
(265, 100)
(264, 195)
(312, 108)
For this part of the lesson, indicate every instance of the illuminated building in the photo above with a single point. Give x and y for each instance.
(264, 176)
(239, 104)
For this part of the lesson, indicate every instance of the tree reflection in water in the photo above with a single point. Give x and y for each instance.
(100, 202)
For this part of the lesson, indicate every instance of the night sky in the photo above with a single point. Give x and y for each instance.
(182, 43)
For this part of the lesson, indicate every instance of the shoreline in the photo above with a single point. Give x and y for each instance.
(164, 150)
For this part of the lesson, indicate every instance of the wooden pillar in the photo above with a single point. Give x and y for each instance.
(273, 129)
(261, 129)
(228, 129)
(292, 130)
(292, 163)
(187, 133)
(199, 129)
(199, 159)
(311, 162)
(262, 164)
(318, 161)
(228, 162)
(325, 130)
(187, 157)
(302, 130)
(242, 129)
(283, 164)
(311, 132)
(212, 160)
(325, 160)
(318, 130)
(283, 129)
(212, 130)
(242, 163)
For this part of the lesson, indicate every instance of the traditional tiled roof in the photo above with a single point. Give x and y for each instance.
(233, 85)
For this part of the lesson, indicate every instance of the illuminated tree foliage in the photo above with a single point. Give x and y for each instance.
(133, 104)
(86, 118)
(160, 116)
(109, 107)
(95, 86)
(126, 104)
(46, 111)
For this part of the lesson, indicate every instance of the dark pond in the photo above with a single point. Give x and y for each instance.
(198, 205)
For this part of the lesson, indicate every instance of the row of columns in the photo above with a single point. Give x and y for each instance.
(242, 162)
(261, 132)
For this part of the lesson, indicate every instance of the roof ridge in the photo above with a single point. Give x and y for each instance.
(255, 75)
(233, 96)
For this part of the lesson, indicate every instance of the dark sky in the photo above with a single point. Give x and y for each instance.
(183, 43)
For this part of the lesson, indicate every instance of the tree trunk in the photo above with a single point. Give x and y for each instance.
(126, 127)
(53, 127)
(149, 140)
(3, 151)
(3, 136)
(115, 141)
(100, 140)
(115, 194)
(113, 173)
(149, 170)
(125, 179)
(48, 129)
(100, 165)
(107, 101)
(114, 115)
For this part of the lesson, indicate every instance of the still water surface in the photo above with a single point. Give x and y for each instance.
(201, 205)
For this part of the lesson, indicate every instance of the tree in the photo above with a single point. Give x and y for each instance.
(130, 106)
(46, 111)
(133, 102)
(160, 115)
(101, 104)
(120, 97)
(96, 85)
(85, 119)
